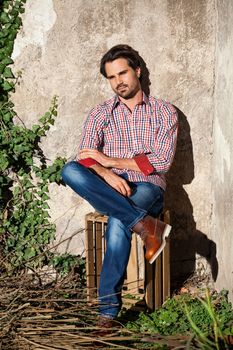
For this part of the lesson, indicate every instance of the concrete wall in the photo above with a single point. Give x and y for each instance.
(59, 49)
(222, 185)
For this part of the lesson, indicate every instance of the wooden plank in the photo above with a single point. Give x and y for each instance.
(132, 267)
(149, 285)
(90, 260)
(166, 217)
(142, 267)
(96, 217)
(158, 283)
(166, 271)
(98, 251)
(166, 262)
(103, 229)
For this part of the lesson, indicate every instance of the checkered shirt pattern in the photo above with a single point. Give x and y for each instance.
(150, 131)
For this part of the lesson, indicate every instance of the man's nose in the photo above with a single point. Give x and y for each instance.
(118, 80)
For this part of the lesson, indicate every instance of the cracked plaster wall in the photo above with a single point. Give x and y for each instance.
(222, 186)
(58, 50)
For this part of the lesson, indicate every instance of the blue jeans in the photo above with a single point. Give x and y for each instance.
(124, 213)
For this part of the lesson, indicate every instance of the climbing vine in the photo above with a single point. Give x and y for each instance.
(25, 228)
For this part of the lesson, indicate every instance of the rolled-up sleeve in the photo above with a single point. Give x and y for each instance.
(144, 164)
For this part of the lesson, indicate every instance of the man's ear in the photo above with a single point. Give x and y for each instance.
(138, 72)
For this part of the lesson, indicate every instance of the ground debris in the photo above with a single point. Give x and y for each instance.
(58, 316)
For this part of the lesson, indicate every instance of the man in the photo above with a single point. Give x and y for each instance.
(127, 146)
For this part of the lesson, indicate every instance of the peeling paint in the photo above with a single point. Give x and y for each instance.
(40, 18)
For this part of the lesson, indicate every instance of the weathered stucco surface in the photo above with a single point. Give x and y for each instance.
(59, 49)
(222, 184)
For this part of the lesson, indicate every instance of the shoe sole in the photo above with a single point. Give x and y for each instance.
(166, 233)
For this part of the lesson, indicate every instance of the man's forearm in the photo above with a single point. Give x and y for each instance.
(124, 163)
(139, 163)
(99, 169)
(108, 162)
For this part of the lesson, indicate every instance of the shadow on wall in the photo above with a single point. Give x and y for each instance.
(186, 240)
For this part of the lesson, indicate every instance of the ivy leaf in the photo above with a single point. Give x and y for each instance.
(45, 197)
(7, 117)
(29, 253)
(4, 163)
(4, 18)
(7, 86)
(2, 67)
(7, 61)
(8, 73)
(35, 128)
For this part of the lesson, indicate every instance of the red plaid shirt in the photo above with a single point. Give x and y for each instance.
(147, 134)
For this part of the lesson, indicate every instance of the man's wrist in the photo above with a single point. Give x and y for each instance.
(124, 163)
(114, 162)
(99, 169)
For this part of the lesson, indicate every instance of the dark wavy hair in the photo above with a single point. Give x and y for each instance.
(120, 51)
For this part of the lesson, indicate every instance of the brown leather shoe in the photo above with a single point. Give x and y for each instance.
(106, 325)
(153, 232)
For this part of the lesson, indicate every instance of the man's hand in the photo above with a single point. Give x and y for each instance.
(113, 180)
(100, 157)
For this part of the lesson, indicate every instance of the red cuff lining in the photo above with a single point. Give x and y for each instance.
(144, 164)
(87, 162)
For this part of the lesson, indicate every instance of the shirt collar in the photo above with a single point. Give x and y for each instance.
(116, 100)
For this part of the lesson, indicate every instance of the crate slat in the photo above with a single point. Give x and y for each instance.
(98, 251)
(132, 268)
(158, 286)
(149, 290)
(90, 270)
(166, 271)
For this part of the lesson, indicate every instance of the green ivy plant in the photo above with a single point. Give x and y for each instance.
(66, 263)
(25, 229)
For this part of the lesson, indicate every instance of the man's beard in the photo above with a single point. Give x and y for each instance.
(126, 94)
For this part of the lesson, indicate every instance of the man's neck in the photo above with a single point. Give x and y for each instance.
(132, 102)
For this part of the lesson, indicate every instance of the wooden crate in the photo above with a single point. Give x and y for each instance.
(151, 282)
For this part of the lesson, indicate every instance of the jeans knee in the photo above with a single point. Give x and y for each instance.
(75, 175)
(66, 170)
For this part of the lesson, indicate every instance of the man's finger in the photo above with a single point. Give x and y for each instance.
(123, 190)
(88, 150)
(127, 189)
